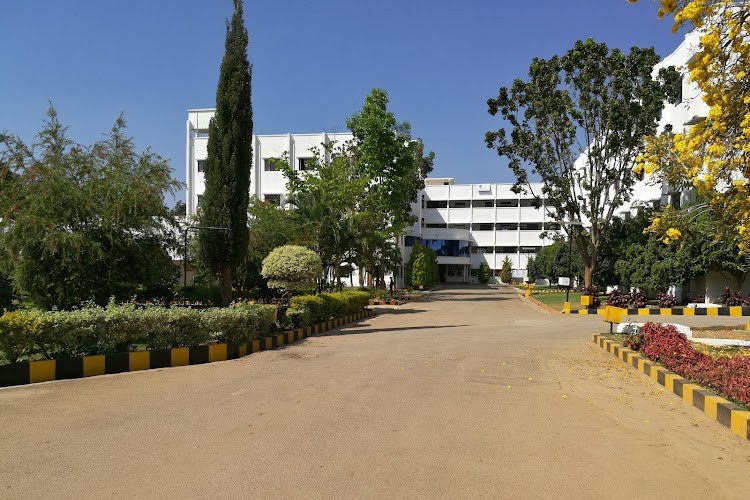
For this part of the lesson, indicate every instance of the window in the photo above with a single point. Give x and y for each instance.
(506, 227)
(483, 203)
(507, 203)
(552, 226)
(484, 227)
(437, 204)
(679, 90)
(506, 249)
(460, 204)
(531, 227)
(459, 226)
(530, 249)
(274, 199)
(437, 226)
(200, 199)
(200, 133)
(482, 249)
(269, 164)
(201, 165)
(475, 272)
(305, 164)
(531, 202)
(448, 248)
(410, 240)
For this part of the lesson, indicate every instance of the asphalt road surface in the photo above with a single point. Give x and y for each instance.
(474, 393)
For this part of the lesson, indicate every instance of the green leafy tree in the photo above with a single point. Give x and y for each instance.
(506, 271)
(622, 233)
(706, 246)
(554, 261)
(592, 103)
(385, 153)
(292, 268)
(228, 163)
(424, 270)
(654, 266)
(416, 251)
(270, 227)
(81, 223)
(484, 273)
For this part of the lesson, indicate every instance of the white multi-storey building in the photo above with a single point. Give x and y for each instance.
(466, 224)
(680, 116)
(266, 183)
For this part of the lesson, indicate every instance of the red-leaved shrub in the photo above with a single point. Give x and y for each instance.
(727, 375)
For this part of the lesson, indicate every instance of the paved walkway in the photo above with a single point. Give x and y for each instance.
(475, 393)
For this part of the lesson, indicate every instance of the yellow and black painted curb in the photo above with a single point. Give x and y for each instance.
(734, 311)
(725, 412)
(600, 312)
(29, 372)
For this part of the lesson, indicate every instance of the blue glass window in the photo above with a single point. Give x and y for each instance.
(448, 248)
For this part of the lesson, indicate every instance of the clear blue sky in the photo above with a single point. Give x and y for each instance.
(313, 64)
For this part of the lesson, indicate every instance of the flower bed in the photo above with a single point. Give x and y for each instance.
(727, 375)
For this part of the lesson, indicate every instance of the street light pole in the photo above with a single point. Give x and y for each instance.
(185, 254)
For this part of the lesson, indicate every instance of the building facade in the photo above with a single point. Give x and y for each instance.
(468, 224)
(266, 183)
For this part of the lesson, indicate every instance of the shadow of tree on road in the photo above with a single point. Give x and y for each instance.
(361, 331)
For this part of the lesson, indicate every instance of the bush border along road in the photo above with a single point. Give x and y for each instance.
(29, 372)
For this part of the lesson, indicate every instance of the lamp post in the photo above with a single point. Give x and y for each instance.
(570, 223)
(185, 254)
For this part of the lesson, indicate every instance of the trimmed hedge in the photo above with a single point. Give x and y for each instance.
(306, 309)
(118, 328)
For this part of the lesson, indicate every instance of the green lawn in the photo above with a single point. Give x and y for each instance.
(556, 300)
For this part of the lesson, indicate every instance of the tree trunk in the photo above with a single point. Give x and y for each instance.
(588, 275)
(225, 285)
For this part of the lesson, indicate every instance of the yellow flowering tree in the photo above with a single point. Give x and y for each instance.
(714, 155)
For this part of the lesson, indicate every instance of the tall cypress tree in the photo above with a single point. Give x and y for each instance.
(230, 133)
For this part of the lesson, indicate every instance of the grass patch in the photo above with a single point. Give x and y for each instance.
(556, 300)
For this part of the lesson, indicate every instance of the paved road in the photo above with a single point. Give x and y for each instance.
(476, 393)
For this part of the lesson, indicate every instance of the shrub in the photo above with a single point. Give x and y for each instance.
(637, 299)
(117, 328)
(618, 299)
(506, 272)
(730, 298)
(727, 375)
(306, 309)
(593, 292)
(292, 267)
(424, 271)
(312, 307)
(19, 332)
(484, 272)
(666, 300)
(699, 298)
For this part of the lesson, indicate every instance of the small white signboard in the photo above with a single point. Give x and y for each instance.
(483, 188)
(563, 281)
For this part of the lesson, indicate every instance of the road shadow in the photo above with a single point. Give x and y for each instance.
(361, 331)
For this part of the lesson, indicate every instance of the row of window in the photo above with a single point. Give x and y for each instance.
(488, 226)
(269, 198)
(506, 203)
(269, 164)
(461, 248)
(509, 250)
